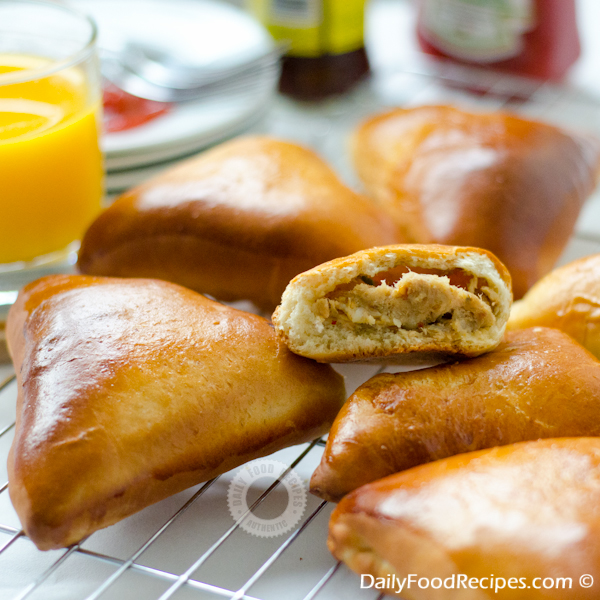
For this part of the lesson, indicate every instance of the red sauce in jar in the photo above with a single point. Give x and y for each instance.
(123, 111)
(535, 38)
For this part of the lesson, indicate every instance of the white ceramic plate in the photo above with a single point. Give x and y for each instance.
(198, 32)
(118, 180)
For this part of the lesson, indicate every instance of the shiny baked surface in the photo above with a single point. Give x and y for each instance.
(567, 298)
(539, 383)
(236, 222)
(133, 390)
(490, 180)
(525, 511)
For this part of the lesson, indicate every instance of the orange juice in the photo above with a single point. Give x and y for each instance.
(50, 160)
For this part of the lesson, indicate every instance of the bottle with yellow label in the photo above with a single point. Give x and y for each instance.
(326, 53)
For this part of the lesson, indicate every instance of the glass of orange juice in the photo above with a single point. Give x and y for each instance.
(50, 161)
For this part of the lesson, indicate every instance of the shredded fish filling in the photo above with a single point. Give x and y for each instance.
(412, 301)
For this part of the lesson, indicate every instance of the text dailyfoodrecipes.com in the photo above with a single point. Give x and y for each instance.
(462, 581)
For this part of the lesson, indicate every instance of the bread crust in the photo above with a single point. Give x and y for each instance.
(4, 356)
(567, 298)
(133, 390)
(305, 322)
(522, 511)
(494, 181)
(538, 383)
(236, 222)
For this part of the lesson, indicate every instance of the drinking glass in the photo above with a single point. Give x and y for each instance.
(51, 176)
(50, 109)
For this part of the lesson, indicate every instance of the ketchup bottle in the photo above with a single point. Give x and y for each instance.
(535, 38)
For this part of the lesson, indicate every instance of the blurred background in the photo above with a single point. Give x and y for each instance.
(327, 84)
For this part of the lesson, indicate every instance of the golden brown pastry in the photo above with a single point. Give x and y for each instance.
(237, 222)
(568, 299)
(397, 302)
(4, 356)
(510, 517)
(539, 383)
(133, 390)
(495, 181)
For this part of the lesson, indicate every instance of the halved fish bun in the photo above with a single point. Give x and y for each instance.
(401, 302)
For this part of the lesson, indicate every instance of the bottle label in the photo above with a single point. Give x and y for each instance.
(482, 31)
(302, 13)
(314, 27)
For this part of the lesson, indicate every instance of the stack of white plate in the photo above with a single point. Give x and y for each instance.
(197, 32)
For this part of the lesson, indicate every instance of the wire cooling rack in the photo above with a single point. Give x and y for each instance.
(188, 546)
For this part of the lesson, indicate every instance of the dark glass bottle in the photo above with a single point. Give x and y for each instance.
(326, 53)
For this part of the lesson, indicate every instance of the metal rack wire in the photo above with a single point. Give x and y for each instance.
(326, 131)
(184, 579)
